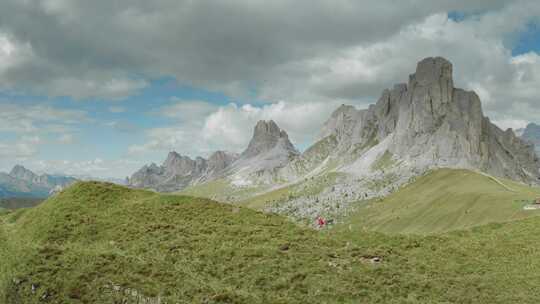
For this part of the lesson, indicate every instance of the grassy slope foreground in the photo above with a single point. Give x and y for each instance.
(445, 200)
(100, 243)
(17, 203)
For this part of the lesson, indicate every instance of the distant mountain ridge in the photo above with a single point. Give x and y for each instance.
(179, 172)
(424, 124)
(23, 183)
(268, 151)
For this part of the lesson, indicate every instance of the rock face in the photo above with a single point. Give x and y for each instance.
(21, 182)
(423, 124)
(269, 148)
(268, 151)
(178, 172)
(268, 137)
(415, 126)
(532, 134)
(428, 123)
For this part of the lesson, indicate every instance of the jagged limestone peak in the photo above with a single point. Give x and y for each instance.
(266, 136)
(433, 70)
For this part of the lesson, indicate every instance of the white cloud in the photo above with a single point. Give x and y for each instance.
(117, 109)
(24, 119)
(122, 126)
(507, 85)
(107, 87)
(22, 148)
(187, 109)
(12, 53)
(314, 87)
(230, 127)
(90, 48)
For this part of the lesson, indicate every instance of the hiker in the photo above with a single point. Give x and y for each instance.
(321, 222)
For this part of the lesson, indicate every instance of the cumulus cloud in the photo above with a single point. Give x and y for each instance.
(482, 61)
(28, 118)
(314, 85)
(31, 124)
(230, 127)
(186, 109)
(92, 49)
(20, 149)
(299, 60)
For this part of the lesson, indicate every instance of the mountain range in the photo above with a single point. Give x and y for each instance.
(23, 183)
(414, 127)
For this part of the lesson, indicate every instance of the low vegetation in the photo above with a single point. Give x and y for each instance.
(384, 162)
(101, 243)
(311, 186)
(17, 203)
(222, 190)
(446, 200)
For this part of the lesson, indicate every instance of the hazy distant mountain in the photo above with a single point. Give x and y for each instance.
(268, 151)
(179, 172)
(118, 181)
(23, 183)
(532, 133)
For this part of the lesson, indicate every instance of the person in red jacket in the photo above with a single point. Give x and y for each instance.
(321, 222)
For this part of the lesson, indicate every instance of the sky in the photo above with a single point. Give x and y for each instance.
(100, 88)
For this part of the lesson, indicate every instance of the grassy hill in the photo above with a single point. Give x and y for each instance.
(222, 190)
(494, 263)
(445, 200)
(16, 203)
(101, 243)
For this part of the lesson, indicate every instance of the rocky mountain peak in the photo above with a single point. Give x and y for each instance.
(22, 173)
(220, 160)
(434, 70)
(429, 123)
(267, 136)
(264, 127)
(176, 164)
(269, 149)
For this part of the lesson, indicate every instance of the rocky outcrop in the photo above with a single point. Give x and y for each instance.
(268, 137)
(428, 123)
(218, 162)
(269, 148)
(179, 172)
(268, 151)
(415, 126)
(424, 124)
(21, 182)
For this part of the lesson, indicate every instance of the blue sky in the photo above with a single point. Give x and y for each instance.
(103, 97)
